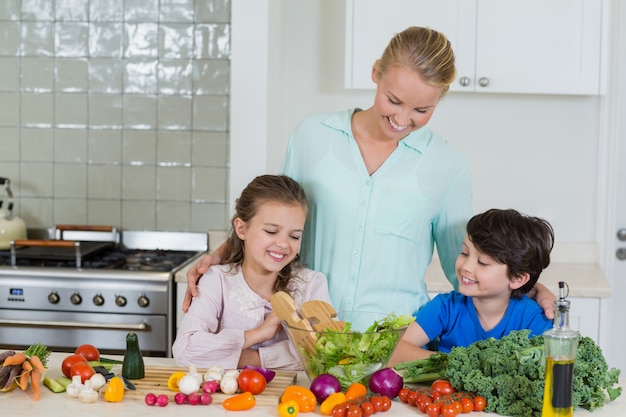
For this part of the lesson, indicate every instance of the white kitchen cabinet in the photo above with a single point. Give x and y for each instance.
(501, 46)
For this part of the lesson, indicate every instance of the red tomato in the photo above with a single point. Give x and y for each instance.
(354, 411)
(442, 386)
(467, 405)
(411, 398)
(457, 406)
(377, 403)
(448, 410)
(90, 352)
(433, 410)
(251, 381)
(422, 402)
(340, 410)
(83, 369)
(479, 403)
(67, 363)
(386, 403)
(367, 408)
(402, 394)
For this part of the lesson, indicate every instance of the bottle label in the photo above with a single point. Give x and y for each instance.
(562, 379)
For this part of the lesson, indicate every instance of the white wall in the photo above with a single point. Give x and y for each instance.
(534, 153)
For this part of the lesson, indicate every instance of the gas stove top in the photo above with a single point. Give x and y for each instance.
(111, 258)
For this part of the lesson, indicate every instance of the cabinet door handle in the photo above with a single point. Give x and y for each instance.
(464, 81)
(483, 81)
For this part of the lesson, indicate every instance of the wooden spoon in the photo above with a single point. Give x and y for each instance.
(286, 309)
(321, 314)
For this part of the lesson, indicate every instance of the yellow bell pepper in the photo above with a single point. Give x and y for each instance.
(115, 390)
(288, 409)
(326, 407)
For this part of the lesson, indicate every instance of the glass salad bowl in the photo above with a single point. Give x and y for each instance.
(351, 351)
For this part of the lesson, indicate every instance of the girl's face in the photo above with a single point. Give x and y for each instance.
(403, 101)
(272, 238)
(481, 276)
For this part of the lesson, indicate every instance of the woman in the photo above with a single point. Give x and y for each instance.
(383, 188)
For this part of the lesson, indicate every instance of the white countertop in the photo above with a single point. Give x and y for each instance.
(19, 403)
(575, 264)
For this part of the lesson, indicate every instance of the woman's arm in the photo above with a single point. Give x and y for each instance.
(544, 297)
(196, 271)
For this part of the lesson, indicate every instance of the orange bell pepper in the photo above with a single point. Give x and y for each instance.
(326, 407)
(303, 396)
(240, 402)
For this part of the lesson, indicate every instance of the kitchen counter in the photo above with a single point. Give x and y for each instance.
(19, 403)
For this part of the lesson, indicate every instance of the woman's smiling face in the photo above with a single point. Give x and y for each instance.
(403, 101)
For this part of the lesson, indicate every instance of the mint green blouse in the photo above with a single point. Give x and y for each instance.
(373, 236)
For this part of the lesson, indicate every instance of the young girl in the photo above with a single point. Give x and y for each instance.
(503, 254)
(231, 323)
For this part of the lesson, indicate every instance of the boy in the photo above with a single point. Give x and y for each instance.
(502, 256)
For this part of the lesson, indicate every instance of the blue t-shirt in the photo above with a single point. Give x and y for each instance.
(453, 318)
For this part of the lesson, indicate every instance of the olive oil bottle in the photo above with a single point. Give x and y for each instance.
(561, 343)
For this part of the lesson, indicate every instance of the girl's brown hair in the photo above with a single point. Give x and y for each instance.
(425, 51)
(264, 189)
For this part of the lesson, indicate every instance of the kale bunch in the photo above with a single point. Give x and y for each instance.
(510, 373)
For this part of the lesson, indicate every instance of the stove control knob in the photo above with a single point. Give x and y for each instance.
(120, 300)
(53, 297)
(76, 299)
(143, 301)
(98, 299)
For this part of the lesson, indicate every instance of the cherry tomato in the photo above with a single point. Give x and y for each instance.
(433, 410)
(354, 411)
(411, 398)
(83, 369)
(467, 405)
(377, 403)
(251, 381)
(457, 406)
(69, 361)
(422, 402)
(479, 403)
(339, 410)
(442, 386)
(386, 403)
(402, 394)
(90, 352)
(367, 408)
(448, 410)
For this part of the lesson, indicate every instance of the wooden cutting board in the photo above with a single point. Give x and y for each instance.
(156, 378)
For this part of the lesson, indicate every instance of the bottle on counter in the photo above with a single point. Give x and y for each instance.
(560, 344)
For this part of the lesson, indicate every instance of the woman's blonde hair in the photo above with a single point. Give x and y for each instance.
(425, 51)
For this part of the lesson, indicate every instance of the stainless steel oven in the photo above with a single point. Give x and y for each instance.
(94, 285)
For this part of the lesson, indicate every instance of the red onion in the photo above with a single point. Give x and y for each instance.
(323, 385)
(267, 373)
(386, 382)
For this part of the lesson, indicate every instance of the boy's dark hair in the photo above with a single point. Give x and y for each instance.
(522, 243)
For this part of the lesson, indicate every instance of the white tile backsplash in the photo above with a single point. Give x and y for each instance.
(116, 111)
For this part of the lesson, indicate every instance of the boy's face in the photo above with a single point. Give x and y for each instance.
(480, 275)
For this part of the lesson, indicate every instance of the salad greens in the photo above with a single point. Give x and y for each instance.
(352, 356)
(510, 373)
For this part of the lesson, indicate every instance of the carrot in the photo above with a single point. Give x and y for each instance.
(16, 359)
(36, 362)
(27, 366)
(35, 381)
(23, 381)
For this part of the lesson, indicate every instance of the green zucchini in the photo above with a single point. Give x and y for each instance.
(132, 366)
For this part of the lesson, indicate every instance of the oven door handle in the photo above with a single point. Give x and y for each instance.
(76, 324)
